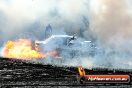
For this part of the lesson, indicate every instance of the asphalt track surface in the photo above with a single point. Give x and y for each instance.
(22, 74)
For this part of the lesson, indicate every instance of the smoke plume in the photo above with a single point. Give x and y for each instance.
(111, 21)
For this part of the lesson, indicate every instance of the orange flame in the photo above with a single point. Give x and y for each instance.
(21, 49)
(81, 71)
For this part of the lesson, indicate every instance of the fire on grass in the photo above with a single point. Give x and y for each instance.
(24, 49)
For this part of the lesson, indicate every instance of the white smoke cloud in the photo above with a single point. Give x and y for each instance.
(111, 21)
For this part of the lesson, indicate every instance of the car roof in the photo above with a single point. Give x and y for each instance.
(54, 36)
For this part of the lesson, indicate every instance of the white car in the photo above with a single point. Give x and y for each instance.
(67, 46)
